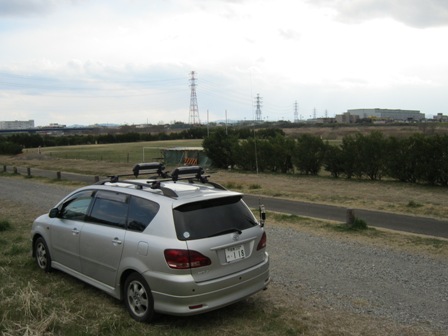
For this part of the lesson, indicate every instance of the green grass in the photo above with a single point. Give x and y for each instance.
(5, 225)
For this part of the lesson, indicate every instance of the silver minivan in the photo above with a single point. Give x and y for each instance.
(173, 243)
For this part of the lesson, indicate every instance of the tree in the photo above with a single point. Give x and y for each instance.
(9, 148)
(220, 147)
(372, 154)
(349, 157)
(333, 161)
(282, 152)
(245, 155)
(308, 154)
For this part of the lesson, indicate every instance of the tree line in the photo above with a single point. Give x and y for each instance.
(15, 143)
(415, 159)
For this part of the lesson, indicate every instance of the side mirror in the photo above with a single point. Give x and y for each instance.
(53, 213)
(262, 215)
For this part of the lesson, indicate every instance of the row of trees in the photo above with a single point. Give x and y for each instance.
(13, 144)
(416, 159)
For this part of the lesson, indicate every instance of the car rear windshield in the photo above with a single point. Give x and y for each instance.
(212, 218)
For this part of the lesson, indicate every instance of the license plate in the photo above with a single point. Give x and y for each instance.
(235, 253)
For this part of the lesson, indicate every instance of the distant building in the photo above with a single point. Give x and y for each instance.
(440, 117)
(16, 124)
(346, 118)
(326, 120)
(388, 114)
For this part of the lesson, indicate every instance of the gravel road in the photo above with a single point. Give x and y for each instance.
(337, 274)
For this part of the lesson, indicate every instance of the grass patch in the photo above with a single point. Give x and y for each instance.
(287, 218)
(233, 185)
(5, 225)
(358, 224)
(413, 204)
(435, 243)
(17, 249)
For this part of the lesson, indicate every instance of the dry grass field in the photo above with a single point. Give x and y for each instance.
(337, 132)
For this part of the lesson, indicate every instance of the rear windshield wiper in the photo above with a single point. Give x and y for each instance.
(232, 230)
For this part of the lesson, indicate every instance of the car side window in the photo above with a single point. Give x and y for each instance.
(141, 213)
(77, 206)
(109, 208)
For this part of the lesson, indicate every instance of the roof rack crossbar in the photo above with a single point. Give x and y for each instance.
(149, 184)
(189, 173)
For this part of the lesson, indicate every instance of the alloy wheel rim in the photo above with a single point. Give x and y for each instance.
(137, 298)
(41, 255)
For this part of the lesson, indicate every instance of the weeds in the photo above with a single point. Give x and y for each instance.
(5, 225)
(233, 185)
(413, 204)
(17, 249)
(358, 224)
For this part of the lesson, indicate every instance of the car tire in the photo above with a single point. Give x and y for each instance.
(42, 254)
(138, 298)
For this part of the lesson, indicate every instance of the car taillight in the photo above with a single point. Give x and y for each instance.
(184, 259)
(263, 241)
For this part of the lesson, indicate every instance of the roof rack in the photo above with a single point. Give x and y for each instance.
(148, 168)
(152, 167)
(190, 173)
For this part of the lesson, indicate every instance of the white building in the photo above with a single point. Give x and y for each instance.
(9, 125)
(388, 114)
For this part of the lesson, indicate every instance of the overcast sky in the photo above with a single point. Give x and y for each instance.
(129, 61)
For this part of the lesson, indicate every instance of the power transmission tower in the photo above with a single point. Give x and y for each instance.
(194, 111)
(296, 112)
(258, 108)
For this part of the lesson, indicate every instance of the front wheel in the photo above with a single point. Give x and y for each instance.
(42, 254)
(138, 298)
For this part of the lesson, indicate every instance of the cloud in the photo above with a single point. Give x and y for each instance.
(414, 13)
(25, 7)
(289, 34)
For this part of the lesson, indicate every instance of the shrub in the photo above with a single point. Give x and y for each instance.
(4, 225)
(413, 204)
(9, 148)
(358, 224)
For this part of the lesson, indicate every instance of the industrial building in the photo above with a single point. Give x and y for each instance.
(387, 114)
(16, 125)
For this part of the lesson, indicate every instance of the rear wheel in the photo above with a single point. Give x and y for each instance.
(138, 298)
(42, 254)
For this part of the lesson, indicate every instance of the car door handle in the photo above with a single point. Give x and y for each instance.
(75, 231)
(116, 241)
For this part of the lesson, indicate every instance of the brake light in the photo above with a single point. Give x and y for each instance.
(263, 241)
(185, 259)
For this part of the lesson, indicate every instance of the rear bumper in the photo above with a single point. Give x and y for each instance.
(182, 296)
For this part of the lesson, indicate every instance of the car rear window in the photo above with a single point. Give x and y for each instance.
(212, 217)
